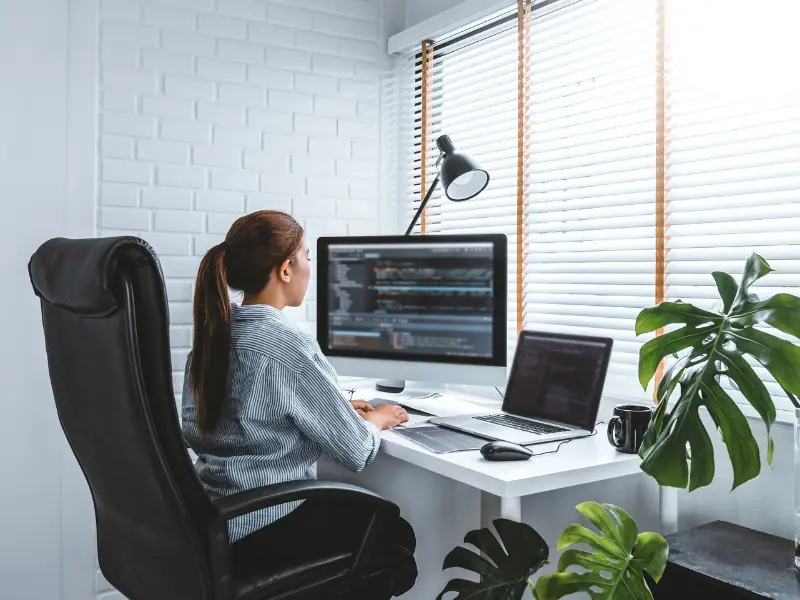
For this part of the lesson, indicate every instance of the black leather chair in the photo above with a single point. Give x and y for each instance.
(159, 535)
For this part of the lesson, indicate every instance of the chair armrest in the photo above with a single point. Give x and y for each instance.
(255, 499)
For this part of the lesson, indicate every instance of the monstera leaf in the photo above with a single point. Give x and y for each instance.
(615, 569)
(508, 564)
(712, 346)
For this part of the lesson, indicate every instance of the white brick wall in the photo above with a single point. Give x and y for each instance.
(213, 108)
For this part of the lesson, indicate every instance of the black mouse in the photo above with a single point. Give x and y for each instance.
(505, 451)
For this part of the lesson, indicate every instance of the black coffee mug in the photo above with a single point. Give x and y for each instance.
(627, 427)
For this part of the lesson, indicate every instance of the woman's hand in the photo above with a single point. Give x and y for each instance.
(386, 416)
(362, 407)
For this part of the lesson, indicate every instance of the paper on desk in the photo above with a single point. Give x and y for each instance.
(414, 421)
(443, 405)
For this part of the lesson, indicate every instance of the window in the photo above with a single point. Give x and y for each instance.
(590, 179)
(471, 83)
(734, 147)
(656, 142)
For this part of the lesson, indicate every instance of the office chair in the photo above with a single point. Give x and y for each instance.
(159, 536)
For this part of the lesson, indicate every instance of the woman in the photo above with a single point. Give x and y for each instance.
(260, 401)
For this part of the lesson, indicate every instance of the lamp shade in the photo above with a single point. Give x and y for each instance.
(462, 177)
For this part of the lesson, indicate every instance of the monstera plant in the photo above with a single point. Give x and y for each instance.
(706, 349)
(709, 348)
(614, 569)
(509, 561)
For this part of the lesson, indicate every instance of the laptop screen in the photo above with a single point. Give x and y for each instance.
(558, 378)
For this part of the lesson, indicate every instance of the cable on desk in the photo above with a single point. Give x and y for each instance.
(553, 451)
(499, 392)
(594, 433)
(350, 391)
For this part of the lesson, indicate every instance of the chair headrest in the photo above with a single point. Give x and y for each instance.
(79, 275)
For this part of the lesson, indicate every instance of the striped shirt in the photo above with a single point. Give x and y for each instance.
(284, 409)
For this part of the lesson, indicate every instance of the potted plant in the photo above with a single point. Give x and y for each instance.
(706, 349)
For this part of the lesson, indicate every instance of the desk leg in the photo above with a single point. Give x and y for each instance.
(511, 508)
(668, 509)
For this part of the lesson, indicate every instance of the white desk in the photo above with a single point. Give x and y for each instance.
(445, 495)
(580, 461)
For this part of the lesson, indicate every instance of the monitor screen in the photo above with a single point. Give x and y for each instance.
(558, 378)
(432, 297)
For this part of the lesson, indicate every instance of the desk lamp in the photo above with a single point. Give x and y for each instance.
(461, 176)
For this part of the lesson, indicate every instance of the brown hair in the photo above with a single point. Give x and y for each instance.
(256, 245)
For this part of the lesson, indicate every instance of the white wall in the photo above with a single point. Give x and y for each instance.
(214, 109)
(43, 193)
(765, 504)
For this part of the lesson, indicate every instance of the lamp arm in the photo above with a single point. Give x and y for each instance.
(422, 206)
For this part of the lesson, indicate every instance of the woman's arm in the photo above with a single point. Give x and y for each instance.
(324, 415)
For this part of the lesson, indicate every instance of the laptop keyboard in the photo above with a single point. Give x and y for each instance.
(521, 424)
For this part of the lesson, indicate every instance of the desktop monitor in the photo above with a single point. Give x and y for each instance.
(421, 308)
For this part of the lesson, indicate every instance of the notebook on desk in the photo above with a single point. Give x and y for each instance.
(438, 440)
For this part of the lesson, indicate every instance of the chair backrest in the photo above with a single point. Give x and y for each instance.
(106, 329)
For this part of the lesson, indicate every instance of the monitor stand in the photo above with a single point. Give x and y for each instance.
(390, 386)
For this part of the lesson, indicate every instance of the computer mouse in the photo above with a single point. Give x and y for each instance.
(505, 451)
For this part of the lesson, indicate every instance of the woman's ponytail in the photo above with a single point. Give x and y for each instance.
(254, 248)
(208, 367)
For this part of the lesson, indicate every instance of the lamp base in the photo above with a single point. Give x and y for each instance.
(390, 386)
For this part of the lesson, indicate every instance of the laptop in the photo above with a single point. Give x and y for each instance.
(553, 393)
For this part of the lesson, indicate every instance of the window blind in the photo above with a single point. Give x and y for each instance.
(590, 177)
(471, 95)
(659, 143)
(734, 148)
